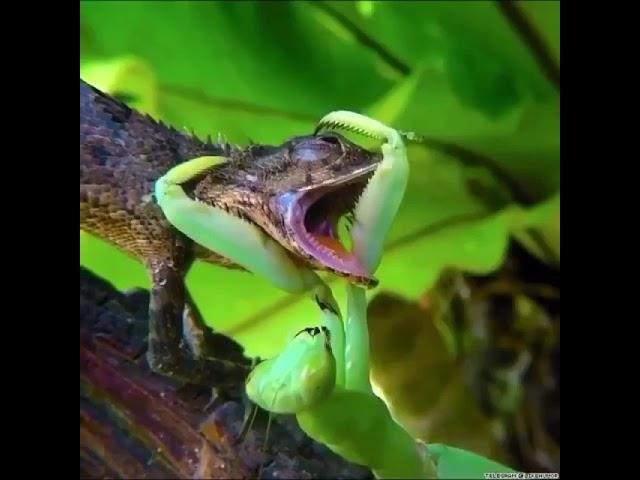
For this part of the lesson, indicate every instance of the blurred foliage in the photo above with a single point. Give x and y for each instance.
(474, 362)
(418, 375)
(460, 74)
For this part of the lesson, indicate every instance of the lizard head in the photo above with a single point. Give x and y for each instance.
(297, 193)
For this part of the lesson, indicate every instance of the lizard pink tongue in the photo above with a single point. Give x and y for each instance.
(325, 233)
(317, 232)
(334, 245)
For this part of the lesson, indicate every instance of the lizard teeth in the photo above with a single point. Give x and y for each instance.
(320, 246)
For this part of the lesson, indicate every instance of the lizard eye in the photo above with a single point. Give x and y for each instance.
(317, 149)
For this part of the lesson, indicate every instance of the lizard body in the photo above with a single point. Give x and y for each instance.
(122, 154)
(294, 192)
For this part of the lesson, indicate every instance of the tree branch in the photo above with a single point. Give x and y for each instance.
(136, 424)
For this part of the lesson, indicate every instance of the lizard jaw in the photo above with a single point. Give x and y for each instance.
(312, 216)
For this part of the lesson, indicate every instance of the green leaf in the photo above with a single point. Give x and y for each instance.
(473, 40)
(545, 19)
(472, 242)
(454, 462)
(544, 240)
(523, 141)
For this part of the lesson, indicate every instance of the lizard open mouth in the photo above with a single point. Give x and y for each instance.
(314, 215)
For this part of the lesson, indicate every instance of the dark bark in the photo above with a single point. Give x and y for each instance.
(136, 424)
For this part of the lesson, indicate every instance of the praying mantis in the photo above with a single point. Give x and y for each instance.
(322, 375)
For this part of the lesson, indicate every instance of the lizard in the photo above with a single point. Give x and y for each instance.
(293, 193)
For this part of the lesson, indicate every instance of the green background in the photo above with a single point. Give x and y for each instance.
(455, 72)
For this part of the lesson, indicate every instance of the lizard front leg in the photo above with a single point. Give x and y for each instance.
(168, 352)
(203, 341)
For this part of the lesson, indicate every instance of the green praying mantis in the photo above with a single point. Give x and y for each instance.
(322, 375)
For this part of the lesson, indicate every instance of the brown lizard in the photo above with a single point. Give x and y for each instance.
(123, 153)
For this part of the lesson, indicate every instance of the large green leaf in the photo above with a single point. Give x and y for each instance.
(268, 70)
(480, 83)
(474, 42)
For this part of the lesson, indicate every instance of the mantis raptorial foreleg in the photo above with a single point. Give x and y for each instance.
(304, 378)
(374, 214)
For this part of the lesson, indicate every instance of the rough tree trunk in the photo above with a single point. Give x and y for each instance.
(136, 424)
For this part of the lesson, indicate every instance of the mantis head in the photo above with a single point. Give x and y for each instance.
(297, 193)
(300, 377)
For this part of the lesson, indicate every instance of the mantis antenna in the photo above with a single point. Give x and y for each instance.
(264, 445)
